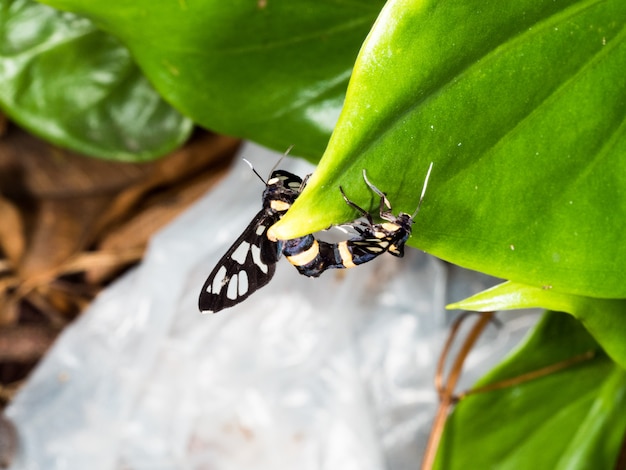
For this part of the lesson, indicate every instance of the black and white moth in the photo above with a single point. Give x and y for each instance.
(312, 257)
(250, 262)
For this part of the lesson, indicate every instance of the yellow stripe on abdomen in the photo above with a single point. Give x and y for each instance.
(346, 256)
(306, 256)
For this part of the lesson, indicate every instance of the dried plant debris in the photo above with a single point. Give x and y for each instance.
(70, 224)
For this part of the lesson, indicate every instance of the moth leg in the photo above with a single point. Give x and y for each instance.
(362, 211)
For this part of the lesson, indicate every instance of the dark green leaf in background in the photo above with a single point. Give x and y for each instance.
(273, 72)
(521, 107)
(68, 82)
(571, 419)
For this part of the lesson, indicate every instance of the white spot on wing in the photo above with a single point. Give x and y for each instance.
(231, 293)
(243, 283)
(241, 253)
(260, 229)
(218, 281)
(256, 257)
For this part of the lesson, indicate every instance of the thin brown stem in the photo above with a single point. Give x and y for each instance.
(446, 392)
(443, 357)
(528, 376)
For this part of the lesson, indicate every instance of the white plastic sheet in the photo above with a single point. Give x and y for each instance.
(309, 374)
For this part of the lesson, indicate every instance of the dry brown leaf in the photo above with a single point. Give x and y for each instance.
(159, 211)
(206, 151)
(140, 211)
(9, 309)
(24, 343)
(31, 169)
(81, 220)
(12, 240)
(58, 232)
(59, 194)
(106, 262)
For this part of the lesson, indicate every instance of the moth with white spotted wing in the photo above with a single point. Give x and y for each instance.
(250, 262)
(312, 257)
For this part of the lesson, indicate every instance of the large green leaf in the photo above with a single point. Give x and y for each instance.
(273, 72)
(605, 319)
(570, 419)
(521, 107)
(72, 84)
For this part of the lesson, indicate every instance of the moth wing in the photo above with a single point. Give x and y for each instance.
(248, 265)
(289, 180)
(364, 250)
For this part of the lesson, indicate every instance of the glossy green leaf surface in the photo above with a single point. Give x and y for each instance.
(74, 85)
(570, 419)
(521, 107)
(273, 72)
(605, 319)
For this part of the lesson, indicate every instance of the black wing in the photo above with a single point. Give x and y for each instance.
(246, 267)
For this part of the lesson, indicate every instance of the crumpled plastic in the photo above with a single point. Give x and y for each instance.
(309, 374)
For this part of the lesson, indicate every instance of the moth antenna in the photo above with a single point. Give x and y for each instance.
(419, 204)
(304, 181)
(281, 159)
(255, 172)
